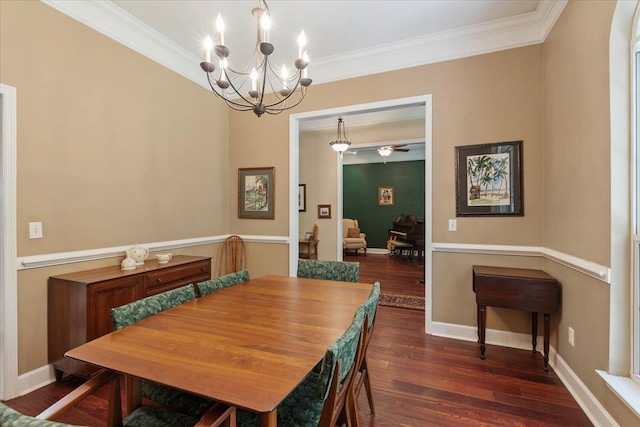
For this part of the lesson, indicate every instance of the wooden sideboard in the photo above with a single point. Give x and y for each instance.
(79, 304)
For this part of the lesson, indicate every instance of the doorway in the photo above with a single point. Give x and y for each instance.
(295, 121)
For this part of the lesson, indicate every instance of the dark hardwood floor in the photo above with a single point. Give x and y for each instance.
(417, 379)
(395, 274)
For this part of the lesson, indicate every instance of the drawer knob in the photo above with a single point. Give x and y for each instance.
(158, 280)
(202, 269)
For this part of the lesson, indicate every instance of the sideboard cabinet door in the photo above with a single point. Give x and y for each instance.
(80, 303)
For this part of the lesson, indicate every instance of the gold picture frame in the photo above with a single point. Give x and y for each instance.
(386, 196)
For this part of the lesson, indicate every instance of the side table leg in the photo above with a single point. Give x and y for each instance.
(478, 320)
(547, 328)
(534, 331)
(483, 325)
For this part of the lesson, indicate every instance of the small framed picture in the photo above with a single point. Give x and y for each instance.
(385, 196)
(324, 211)
(302, 197)
(308, 236)
(256, 193)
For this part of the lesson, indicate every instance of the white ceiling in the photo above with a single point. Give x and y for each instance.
(345, 38)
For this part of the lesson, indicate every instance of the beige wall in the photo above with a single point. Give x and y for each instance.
(577, 189)
(113, 150)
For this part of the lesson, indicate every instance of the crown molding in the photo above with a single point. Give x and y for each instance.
(523, 30)
(108, 19)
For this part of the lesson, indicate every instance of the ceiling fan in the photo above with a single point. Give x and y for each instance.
(383, 151)
(386, 150)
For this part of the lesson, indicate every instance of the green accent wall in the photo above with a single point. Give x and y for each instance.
(360, 189)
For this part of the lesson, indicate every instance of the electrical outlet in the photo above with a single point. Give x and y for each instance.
(35, 230)
(572, 337)
(453, 225)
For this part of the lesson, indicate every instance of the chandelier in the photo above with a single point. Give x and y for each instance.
(341, 143)
(244, 90)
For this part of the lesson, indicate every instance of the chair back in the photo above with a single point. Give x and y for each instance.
(232, 256)
(214, 285)
(335, 381)
(12, 418)
(348, 223)
(133, 312)
(329, 270)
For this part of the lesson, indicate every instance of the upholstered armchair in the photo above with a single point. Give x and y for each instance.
(352, 238)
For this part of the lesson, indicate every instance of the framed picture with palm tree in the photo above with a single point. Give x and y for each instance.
(256, 193)
(489, 179)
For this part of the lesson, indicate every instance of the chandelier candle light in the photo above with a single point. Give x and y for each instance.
(230, 84)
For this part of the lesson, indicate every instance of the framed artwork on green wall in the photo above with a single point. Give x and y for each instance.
(385, 196)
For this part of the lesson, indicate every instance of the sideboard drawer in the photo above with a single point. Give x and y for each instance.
(160, 281)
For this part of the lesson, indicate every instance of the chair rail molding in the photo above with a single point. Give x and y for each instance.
(47, 260)
(589, 268)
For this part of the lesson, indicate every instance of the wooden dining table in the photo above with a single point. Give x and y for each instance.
(248, 345)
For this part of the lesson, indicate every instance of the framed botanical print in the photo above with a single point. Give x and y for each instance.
(256, 193)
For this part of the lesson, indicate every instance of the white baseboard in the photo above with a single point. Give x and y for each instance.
(35, 379)
(587, 401)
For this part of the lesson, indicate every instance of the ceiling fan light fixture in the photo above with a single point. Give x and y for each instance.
(341, 144)
(385, 151)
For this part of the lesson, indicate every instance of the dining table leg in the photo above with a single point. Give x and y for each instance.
(134, 393)
(114, 413)
(269, 419)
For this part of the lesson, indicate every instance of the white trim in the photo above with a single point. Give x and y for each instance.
(589, 268)
(583, 396)
(522, 30)
(47, 260)
(9, 285)
(35, 379)
(294, 144)
(625, 388)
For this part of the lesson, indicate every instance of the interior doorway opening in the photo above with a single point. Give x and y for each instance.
(296, 121)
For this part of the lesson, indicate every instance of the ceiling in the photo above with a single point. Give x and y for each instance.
(345, 38)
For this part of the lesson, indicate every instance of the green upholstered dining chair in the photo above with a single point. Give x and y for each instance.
(214, 285)
(135, 311)
(370, 307)
(329, 270)
(321, 399)
(12, 418)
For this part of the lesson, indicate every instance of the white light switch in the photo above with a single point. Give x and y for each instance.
(35, 230)
(453, 225)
